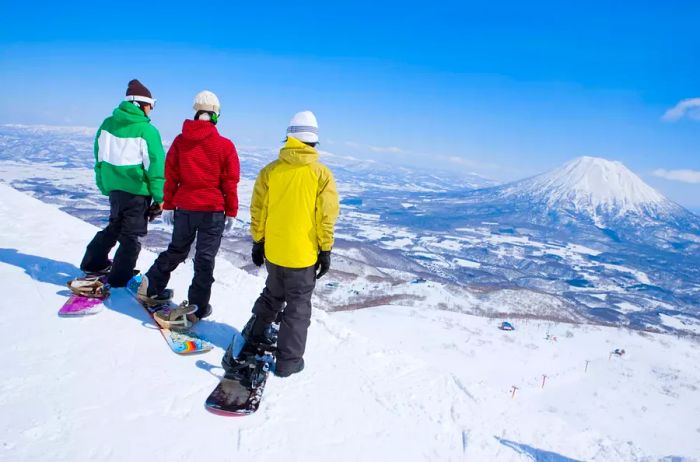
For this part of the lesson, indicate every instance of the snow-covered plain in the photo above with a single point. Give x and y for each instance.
(387, 383)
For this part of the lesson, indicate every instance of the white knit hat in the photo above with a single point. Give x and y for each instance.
(207, 101)
(304, 127)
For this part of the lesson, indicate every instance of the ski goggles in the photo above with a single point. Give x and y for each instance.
(142, 99)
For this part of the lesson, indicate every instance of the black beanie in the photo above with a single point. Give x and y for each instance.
(136, 88)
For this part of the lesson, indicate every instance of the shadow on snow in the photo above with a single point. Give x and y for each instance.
(538, 455)
(56, 272)
(40, 268)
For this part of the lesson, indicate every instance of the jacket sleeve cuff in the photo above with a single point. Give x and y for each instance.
(159, 199)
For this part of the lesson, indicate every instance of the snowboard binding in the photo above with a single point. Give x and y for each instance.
(175, 319)
(89, 286)
(250, 369)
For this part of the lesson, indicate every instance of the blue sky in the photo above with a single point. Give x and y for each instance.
(505, 89)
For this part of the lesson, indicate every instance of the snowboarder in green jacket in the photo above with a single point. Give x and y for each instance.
(129, 164)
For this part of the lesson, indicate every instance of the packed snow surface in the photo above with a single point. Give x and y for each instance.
(388, 383)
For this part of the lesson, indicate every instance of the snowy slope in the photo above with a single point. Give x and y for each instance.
(80, 388)
(391, 383)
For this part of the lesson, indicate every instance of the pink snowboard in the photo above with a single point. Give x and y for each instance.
(80, 306)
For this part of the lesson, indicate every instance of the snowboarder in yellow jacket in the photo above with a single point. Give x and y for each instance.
(293, 212)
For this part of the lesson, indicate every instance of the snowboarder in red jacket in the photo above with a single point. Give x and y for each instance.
(200, 201)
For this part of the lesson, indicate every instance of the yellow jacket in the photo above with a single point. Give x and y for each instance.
(294, 207)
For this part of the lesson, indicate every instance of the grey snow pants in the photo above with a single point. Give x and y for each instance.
(295, 287)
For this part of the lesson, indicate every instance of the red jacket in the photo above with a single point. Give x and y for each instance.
(201, 171)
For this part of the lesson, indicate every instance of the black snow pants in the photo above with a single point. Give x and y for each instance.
(128, 221)
(207, 228)
(295, 287)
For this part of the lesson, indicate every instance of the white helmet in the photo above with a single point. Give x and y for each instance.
(207, 101)
(304, 127)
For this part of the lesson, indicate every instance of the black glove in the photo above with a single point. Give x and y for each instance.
(154, 211)
(323, 262)
(258, 253)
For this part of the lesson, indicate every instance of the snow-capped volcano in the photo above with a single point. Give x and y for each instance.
(593, 186)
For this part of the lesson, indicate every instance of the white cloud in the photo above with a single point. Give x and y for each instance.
(389, 149)
(468, 163)
(460, 161)
(686, 108)
(378, 149)
(686, 176)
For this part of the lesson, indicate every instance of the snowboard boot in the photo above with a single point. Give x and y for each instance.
(100, 272)
(103, 272)
(287, 368)
(228, 362)
(153, 299)
(258, 332)
(199, 314)
(89, 286)
(175, 319)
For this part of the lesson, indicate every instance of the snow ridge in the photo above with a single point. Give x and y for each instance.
(51, 129)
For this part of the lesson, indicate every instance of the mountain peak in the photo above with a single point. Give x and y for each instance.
(594, 186)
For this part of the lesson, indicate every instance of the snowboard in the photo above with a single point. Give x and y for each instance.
(240, 395)
(80, 305)
(182, 343)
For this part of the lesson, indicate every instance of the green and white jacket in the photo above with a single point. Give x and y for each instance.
(129, 154)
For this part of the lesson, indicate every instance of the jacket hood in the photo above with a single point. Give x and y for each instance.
(197, 130)
(128, 113)
(297, 153)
